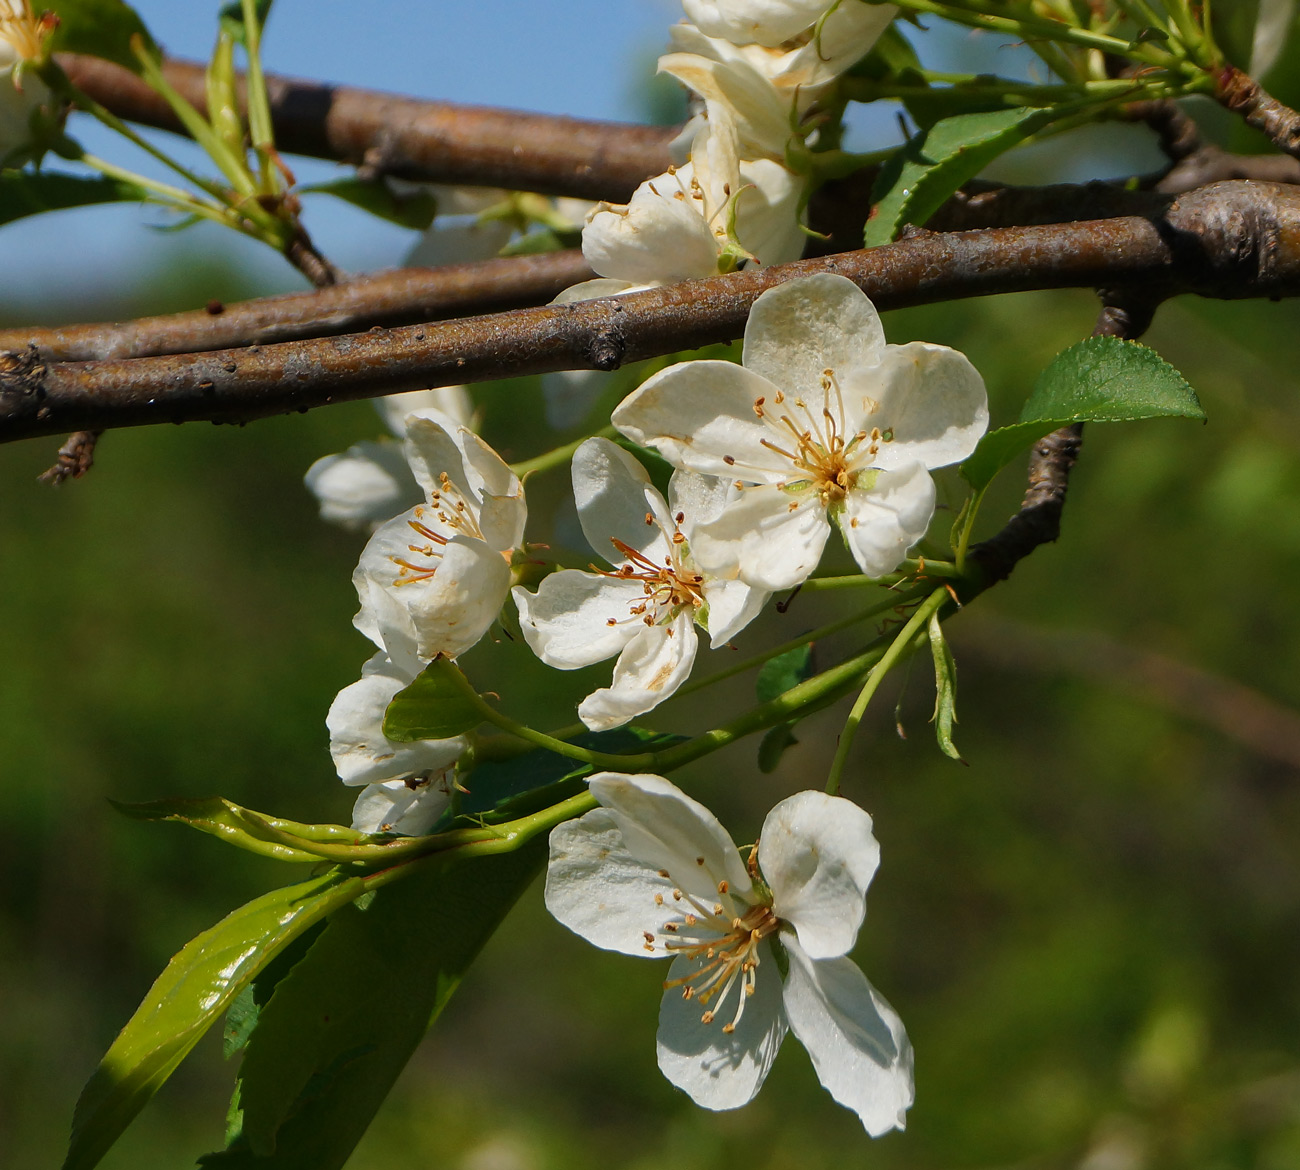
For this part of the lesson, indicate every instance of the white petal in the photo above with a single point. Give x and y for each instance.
(818, 856)
(450, 402)
(361, 752)
(762, 113)
(770, 537)
(698, 497)
(767, 212)
(396, 807)
(590, 290)
(664, 828)
(596, 888)
(451, 610)
(804, 327)
(614, 497)
(364, 486)
(882, 521)
(566, 623)
(856, 1040)
(769, 22)
(700, 415)
(651, 667)
(432, 452)
(929, 397)
(716, 1069)
(732, 606)
(660, 236)
(386, 621)
(502, 510)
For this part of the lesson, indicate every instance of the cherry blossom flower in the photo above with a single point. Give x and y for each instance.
(22, 40)
(756, 949)
(371, 481)
(437, 575)
(406, 785)
(824, 422)
(767, 90)
(646, 607)
(704, 217)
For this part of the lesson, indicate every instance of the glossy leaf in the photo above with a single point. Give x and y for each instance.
(933, 164)
(342, 1024)
(232, 17)
(101, 28)
(192, 992)
(439, 704)
(24, 193)
(945, 689)
(1101, 379)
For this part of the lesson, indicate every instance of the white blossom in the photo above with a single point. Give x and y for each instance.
(646, 607)
(773, 23)
(767, 90)
(371, 481)
(652, 873)
(694, 221)
(824, 422)
(22, 40)
(437, 575)
(406, 785)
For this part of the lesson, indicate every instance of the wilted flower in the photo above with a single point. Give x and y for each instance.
(757, 950)
(646, 607)
(824, 421)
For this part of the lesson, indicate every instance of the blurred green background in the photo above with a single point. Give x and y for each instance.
(1092, 932)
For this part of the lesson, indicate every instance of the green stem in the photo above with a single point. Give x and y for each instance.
(172, 197)
(558, 455)
(260, 128)
(887, 661)
(794, 643)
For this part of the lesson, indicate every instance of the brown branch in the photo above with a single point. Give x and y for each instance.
(442, 142)
(1244, 96)
(1050, 462)
(401, 297)
(1228, 240)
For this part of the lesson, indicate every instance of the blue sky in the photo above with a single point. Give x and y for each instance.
(579, 57)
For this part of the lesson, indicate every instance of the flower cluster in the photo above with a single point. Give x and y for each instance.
(23, 37)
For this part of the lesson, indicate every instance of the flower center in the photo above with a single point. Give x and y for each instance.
(22, 30)
(448, 504)
(723, 938)
(817, 442)
(665, 589)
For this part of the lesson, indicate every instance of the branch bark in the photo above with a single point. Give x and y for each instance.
(443, 142)
(1228, 240)
(400, 297)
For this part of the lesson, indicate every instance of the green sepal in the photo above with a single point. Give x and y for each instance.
(945, 689)
(439, 704)
(1100, 379)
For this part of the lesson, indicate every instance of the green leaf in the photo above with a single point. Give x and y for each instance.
(243, 828)
(784, 671)
(242, 1015)
(343, 1023)
(232, 18)
(945, 689)
(439, 704)
(1101, 379)
(776, 677)
(192, 992)
(892, 58)
(101, 28)
(379, 199)
(505, 789)
(24, 193)
(932, 165)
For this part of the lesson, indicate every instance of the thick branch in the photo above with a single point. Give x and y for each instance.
(431, 141)
(402, 297)
(1228, 240)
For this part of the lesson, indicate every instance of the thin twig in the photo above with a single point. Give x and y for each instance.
(431, 141)
(1244, 96)
(75, 458)
(1228, 240)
